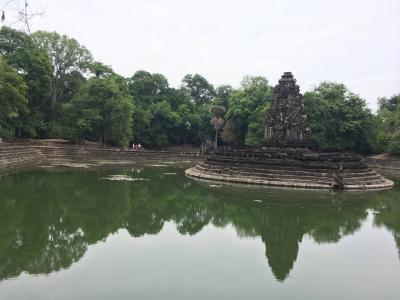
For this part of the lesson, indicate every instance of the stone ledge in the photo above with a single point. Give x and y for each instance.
(193, 172)
(51, 154)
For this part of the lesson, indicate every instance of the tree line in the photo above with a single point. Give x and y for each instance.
(51, 87)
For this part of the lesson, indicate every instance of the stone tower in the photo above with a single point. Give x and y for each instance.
(286, 122)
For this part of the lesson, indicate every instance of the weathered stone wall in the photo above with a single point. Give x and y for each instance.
(13, 156)
(389, 166)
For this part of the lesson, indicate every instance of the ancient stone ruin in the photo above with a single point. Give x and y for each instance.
(286, 122)
(284, 160)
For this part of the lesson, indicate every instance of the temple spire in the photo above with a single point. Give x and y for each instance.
(286, 122)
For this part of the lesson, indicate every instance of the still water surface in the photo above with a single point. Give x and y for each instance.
(73, 234)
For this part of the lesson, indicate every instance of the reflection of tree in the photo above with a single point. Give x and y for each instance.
(388, 213)
(48, 223)
(143, 217)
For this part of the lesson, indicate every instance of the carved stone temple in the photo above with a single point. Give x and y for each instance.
(284, 159)
(286, 122)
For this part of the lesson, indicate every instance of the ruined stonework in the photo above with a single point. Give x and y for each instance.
(286, 122)
(284, 160)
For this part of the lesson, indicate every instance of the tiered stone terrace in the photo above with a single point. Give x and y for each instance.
(299, 168)
(23, 155)
(19, 155)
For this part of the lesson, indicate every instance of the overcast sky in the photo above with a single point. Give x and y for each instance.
(355, 42)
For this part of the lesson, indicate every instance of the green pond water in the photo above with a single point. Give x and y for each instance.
(74, 234)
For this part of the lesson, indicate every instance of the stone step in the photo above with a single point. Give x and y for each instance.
(10, 158)
(270, 177)
(286, 174)
(293, 163)
(298, 180)
(222, 177)
(114, 156)
(364, 182)
(382, 185)
(286, 154)
(280, 168)
(263, 173)
(5, 164)
(13, 153)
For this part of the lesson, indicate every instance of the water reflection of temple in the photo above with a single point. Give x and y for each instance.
(281, 248)
(48, 224)
(283, 228)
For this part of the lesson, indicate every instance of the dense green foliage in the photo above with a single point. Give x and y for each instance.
(389, 124)
(156, 119)
(101, 110)
(13, 102)
(246, 110)
(67, 56)
(339, 119)
(198, 88)
(53, 88)
(33, 65)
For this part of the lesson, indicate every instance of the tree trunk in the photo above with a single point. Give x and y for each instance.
(216, 138)
(54, 91)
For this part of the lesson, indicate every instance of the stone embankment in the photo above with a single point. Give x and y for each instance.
(301, 170)
(23, 155)
(14, 156)
(385, 164)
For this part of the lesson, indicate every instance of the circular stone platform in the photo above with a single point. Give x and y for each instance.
(299, 168)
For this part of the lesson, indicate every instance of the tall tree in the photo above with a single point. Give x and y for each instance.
(100, 70)
(217, 120)
(246, 111)
(388, 124)
(147, 88)
(198, 88)
(390, 104)
(163, 115)
(33, 65)
(102, 110)
(69, 85)
(223, 95)
(13, 103)
(164, 121)
(66, 56)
